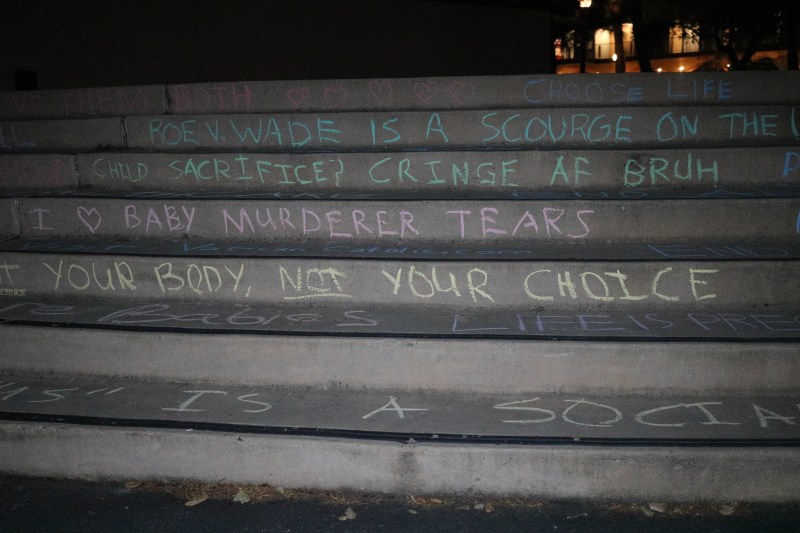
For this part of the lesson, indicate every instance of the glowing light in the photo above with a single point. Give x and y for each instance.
(659, 69)
(681, 68)
(614, 57)
(585, 3)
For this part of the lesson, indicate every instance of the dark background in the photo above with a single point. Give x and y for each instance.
(70, 43)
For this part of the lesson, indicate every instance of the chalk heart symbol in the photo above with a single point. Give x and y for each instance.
(90, 217)
(335, 96)
(381, 90)
(426, 91)
(461, 91)
(297, 96)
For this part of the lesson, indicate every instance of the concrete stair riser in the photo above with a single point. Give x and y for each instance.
(471, 92)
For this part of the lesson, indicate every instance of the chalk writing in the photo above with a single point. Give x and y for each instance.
(204, 247)
(461, 91)
(196, 394)
(575, 127)
(294, 133)
(751, 124)
(296, 96)
(599, 287)
(555, 91)
(672, 126)
(520, 174)
(90, 217)
(78, 277)
(5, 273)
(91, 102)
(114, 170)
(11, 140)
(362, 222)
(170, 219)
(548, 220)
(7, 281)
(781, 322)
(332, 223)
(198, 278)
(699, 90)
(651, 171)
(36, 309)
(5, 291)
(312, 283)
(424, 285)
(627, 324)
(235, 97)
(30, 172)
(791, 164)
(381, 90)
(107, 101)
(549, 128)
(587, 413)
(393, 407)
(31, 395)
(391, 170)
(684, 251)
(699, 287)
(335, 95)
(422, 414)
(244, 317)
(425, 91)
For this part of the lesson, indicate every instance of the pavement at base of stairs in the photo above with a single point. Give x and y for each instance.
(36, 504)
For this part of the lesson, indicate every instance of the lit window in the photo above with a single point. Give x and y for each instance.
(683, 40)
(604, 42)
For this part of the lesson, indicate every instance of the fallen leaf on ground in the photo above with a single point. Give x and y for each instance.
(241, 497)
(489, 508)
(478, 506)
(196, 500)
(646, 511)
(349, 514)
(132, 484)
(412, 511)
(726, 510)
(658, 507)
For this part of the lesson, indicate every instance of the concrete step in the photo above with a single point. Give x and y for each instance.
(465, 249)
(28, 173)
(743, 321)
(474, 92)
(520, 175)
(526, 418)
(681, 287)
(92, 102)
(618, 349)
(405, 93)
(615, 127)
(417, 229)
(670, 448)
(9, 220)
(649, 473)
(515, 129)
(74, 135)
(483, 366)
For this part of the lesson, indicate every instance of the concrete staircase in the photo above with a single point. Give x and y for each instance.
(552, 286)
